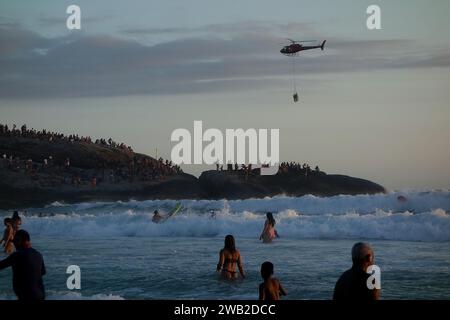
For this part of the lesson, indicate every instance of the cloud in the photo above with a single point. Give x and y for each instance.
(61, 20)
(260, 27)
(73, 66)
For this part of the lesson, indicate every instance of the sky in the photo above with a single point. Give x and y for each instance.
(374, 104)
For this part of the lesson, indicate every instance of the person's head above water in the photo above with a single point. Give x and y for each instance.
(230, 243)
(155, 212)
(15, 215)
(270, 218)
(22, 240)
(266, 270)
(7, 221)
(362, 255)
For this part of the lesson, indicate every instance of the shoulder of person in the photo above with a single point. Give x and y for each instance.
(275, 281)
(345, 276)
(35, 251)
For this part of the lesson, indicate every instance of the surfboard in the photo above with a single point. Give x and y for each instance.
(173, 212)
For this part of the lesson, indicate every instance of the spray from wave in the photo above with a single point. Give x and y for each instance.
(423, 217)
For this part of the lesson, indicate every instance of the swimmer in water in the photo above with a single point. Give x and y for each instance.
(229, 257)
(269, 233)
(8, 236)
(271, 288)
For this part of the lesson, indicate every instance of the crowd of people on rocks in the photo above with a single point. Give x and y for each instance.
(62, 170)
(51, 136)
(296, 167)
(283, 168)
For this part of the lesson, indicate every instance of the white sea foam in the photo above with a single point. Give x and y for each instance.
(79, 296)
(69, 296)
(423, 217)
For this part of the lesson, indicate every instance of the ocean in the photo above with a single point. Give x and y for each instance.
(122, 254)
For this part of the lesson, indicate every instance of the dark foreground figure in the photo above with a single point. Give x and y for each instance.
(271, 289)
(352, 284)
(28, 268)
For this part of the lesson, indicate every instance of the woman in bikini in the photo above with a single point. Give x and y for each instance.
(8, 236)
(269, 233)
(229, 257)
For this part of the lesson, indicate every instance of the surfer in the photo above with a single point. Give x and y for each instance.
(156, 217)
(271, 288)
(269, 233)
(352, 284)
(8, 236)
(229, 257)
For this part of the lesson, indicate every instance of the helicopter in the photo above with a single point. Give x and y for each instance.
(296, 46)
(292, 50)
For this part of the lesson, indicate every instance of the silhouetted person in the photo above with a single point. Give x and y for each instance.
(352, 284)
(271, 288)
(27, 267)
(16, 221)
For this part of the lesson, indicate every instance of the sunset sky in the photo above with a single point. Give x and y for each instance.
(374, 104)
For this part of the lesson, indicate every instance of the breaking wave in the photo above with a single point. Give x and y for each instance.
(423, 216)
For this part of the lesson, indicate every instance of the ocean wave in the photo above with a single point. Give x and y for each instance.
(426, 226)
(419, 216)
(423, 201)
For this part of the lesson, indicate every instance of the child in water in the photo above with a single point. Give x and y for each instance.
(271, 288)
